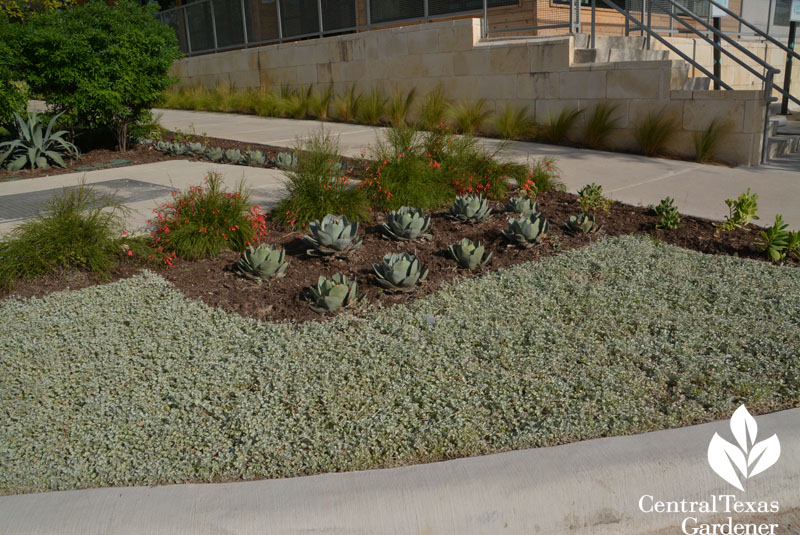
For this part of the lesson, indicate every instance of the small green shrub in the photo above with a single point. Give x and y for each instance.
(706, 142)
(470, 117)
(206, 220)
(12, 94)
(373, 107)
(403, 174)
(668, 212)
(77, 229)
(600, 125)
(35, 146)
(433, 110)
(514, 123)
(591, 199)
(777, 242)
(103, 66)
(655, 131)
(544, 175)
(741, 211)
(315, 185)
(400, 106)
(346, 107)
(556, 128)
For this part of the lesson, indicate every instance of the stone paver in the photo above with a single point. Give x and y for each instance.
(698, 189)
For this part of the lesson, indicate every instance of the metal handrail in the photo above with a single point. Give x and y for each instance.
(644, 28)
(757, 31)
(767, 67)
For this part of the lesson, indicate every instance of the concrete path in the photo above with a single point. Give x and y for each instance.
(140, 187)
(588, 488)
(698, 189)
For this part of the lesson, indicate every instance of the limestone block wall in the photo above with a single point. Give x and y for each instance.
(537, 72)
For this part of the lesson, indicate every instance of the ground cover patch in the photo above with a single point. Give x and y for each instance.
(132, 383)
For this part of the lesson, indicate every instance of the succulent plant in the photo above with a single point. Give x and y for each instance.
(582, 224)
(255, 157)
(177, 148)
(399, 272)
(195, 148)
(234, 156)
(522, 205)
(470, 208)
(262, 262)
(163, 146)
(527, 231)
(334, 235)
(36, 146)
(469, 254)
(214, 154)
(285, 160)
(406, 224)
(334, 293)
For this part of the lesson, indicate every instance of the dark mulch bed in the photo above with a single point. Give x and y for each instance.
(211, 281)
(141, 154)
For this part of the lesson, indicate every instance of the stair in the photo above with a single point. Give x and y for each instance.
(784, 137)
(610, 49)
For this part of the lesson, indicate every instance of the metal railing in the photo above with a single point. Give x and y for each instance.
(700, 26)
(208, 26)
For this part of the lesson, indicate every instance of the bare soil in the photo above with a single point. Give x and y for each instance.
(212, 282)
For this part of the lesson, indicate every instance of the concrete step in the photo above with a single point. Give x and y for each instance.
(783, 145)
(701, 83)
(606, 55)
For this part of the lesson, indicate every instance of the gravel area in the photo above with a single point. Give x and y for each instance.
(132, 383)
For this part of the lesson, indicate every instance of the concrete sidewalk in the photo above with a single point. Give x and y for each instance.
(698, 189)
(586, 488)
(140, 187)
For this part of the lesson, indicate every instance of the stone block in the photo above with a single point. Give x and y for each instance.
(636, 84)
(498, 87)
(472, 62)
(439, 64)
(550, 56)
(460, 35)
(509, 59)
(392, 44)
(754, 111)
(423, 42)
(582, 85)
(698, 114)
(539, 85)
(639, 110)
(307, 74)
(324, 75)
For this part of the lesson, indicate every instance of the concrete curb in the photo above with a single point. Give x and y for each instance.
(590, 487)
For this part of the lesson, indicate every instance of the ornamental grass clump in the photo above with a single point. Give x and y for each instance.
(77, 229)
(316, 185)
(206, 220)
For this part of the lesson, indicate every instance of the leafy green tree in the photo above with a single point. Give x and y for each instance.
(103, 66)
(22, 9)
(12, 95)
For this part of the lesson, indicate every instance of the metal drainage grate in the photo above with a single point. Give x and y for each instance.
(26, 205)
